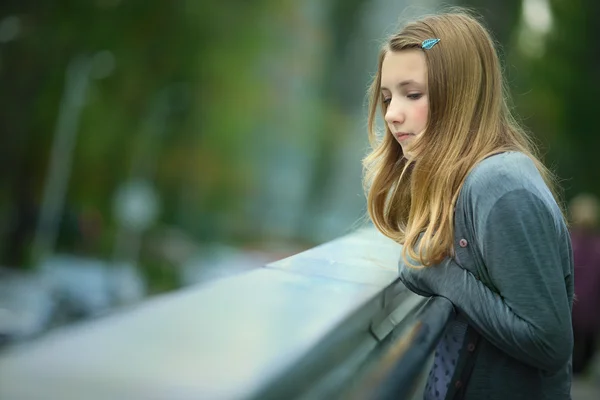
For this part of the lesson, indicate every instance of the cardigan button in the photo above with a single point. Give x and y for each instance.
(458, 384)
(471, 347)
(463, 243)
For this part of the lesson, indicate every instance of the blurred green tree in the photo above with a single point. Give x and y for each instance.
(203, 48)
(551, 59)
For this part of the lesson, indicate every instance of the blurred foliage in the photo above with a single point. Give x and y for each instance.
(501, 17)
(203, 47)
(565, 88)
(211, 100)
(209, 73)
(554, 81)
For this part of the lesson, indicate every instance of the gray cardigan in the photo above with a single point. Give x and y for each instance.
(511, 283)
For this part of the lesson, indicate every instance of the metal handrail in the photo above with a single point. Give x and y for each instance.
(405, 353)
(330, 323)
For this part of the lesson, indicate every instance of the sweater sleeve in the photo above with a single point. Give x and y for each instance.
(529, 316)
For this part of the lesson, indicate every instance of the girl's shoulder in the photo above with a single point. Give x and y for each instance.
(500, 174)
(510, 169)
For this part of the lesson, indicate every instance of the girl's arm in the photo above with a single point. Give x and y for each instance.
(530, 316)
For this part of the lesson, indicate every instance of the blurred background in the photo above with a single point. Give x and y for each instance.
(150, 145)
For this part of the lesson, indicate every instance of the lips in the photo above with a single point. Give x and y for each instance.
(402, 135)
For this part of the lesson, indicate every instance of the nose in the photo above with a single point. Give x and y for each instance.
(394, 114)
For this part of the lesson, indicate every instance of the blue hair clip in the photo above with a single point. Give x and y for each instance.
(429, 43)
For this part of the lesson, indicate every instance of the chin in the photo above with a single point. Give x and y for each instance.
(407, 154)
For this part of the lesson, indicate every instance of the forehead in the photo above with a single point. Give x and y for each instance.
(400, 66)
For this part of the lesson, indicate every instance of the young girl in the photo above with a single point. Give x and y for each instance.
(457, 182)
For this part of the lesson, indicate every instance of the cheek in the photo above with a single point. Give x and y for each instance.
(422, 113)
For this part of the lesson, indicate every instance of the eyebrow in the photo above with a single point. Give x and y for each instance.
(403, 83)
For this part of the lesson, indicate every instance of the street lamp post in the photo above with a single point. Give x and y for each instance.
(81, 69)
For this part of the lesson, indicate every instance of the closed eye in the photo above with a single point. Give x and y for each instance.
(415, 96)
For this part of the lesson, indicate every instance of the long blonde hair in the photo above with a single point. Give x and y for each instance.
(469, 120)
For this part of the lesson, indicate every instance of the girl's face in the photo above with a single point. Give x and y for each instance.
(404, 91)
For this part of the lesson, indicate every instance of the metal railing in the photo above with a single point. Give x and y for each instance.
(406, 352)
(330, 323)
